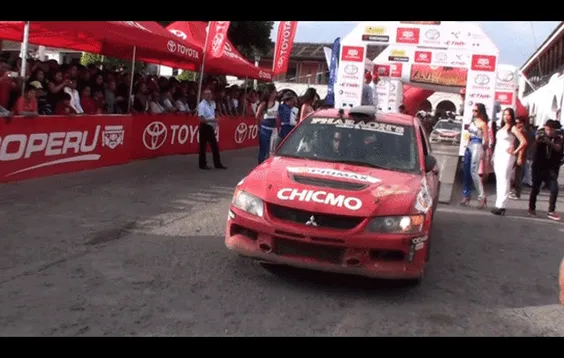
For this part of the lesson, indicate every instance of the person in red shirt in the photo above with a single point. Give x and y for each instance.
(88, 103)
(26, 105)
(64, 107)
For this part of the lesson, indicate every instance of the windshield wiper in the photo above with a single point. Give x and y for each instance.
(360, 163)
(294, 156)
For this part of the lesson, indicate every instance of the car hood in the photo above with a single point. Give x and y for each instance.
(333, 188)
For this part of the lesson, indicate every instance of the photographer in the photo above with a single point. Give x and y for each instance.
(546, 166)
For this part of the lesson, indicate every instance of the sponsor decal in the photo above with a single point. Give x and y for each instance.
(419, 242)
(483, 63)
(432, 34)
(407, 35)
(395, 72)
(375, 30)
(423, 56)
(368, 126)
(79, 144)
(504, 98)
(244, 132)
(334, 174)
(156, 134)
(423, 201)
(383, 70)
(351, 69)
(352, 54)
(388, 190)
(375, 34)
(320, 197)
(439, 75)
(478, 96)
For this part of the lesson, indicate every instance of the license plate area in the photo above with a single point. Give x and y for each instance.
(291, 248)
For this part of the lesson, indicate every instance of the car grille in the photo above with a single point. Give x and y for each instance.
(323, 220)
(329, 183)
(324, 253)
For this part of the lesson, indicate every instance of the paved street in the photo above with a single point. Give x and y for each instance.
(138, 250)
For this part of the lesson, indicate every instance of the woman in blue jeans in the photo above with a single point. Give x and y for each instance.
(474, 154)
(267, 120)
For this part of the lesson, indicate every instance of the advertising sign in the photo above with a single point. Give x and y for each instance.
(350, 78)
(441, 76)
(480, 88)
(506, 86)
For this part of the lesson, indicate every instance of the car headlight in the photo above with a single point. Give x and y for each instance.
(409, 224)
(248, 203)
(434, 134)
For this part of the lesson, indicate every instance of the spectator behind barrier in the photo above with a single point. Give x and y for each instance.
(102, 91)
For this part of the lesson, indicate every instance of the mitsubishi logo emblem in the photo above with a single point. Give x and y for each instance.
(311, 221)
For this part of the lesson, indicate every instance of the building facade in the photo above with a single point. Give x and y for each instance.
(541, 86)
(307, 64)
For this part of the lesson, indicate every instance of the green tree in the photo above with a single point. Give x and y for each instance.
(187, 76)
(110, 63)
(249, 37)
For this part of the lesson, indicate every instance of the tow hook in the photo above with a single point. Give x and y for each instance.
(417, 243)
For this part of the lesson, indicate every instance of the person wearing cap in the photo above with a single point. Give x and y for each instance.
(43, 106)
(546, 166)
(287, 112)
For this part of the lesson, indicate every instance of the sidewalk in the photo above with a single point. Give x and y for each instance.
(515, 207)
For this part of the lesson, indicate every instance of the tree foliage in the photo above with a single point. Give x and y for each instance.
(110, 63)
(249, 37)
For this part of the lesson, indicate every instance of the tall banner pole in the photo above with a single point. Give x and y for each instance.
(23, 54)
(132, 78)
(201, 79)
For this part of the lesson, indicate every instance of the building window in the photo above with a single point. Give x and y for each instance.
(292, 72)
(175, 72)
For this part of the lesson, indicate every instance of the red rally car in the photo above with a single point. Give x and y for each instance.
(351, 192)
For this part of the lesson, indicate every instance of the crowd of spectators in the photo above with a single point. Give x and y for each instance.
(72, 89)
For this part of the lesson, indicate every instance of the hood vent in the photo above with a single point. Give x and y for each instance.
(334, 184)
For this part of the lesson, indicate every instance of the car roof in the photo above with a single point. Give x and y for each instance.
(393, 118)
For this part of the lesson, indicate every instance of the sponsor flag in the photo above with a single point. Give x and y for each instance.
(330, 99)
(284, 44)
(217, 35)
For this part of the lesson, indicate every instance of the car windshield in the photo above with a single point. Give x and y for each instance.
(451, 126)
(355, 141)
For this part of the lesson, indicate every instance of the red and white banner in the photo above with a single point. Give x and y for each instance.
(216, 37)
(284, 44)
(54, 145)
(31, 148)
(350, 76)
(480, 88)
(162, 135)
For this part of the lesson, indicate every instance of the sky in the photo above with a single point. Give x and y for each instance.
(516, 40)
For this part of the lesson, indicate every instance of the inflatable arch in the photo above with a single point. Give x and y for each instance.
(424, 57)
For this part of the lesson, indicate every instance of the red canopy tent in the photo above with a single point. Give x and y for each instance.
(154, 44)
(230, 63)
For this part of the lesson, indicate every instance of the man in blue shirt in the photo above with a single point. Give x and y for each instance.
(208, 124)
(288, 113)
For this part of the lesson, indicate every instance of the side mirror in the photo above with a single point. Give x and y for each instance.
(430, 163)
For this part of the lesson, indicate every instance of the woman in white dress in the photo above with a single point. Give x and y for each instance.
(504, 158)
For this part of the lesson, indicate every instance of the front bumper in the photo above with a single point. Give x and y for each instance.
(452, 140)
(339, 251)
